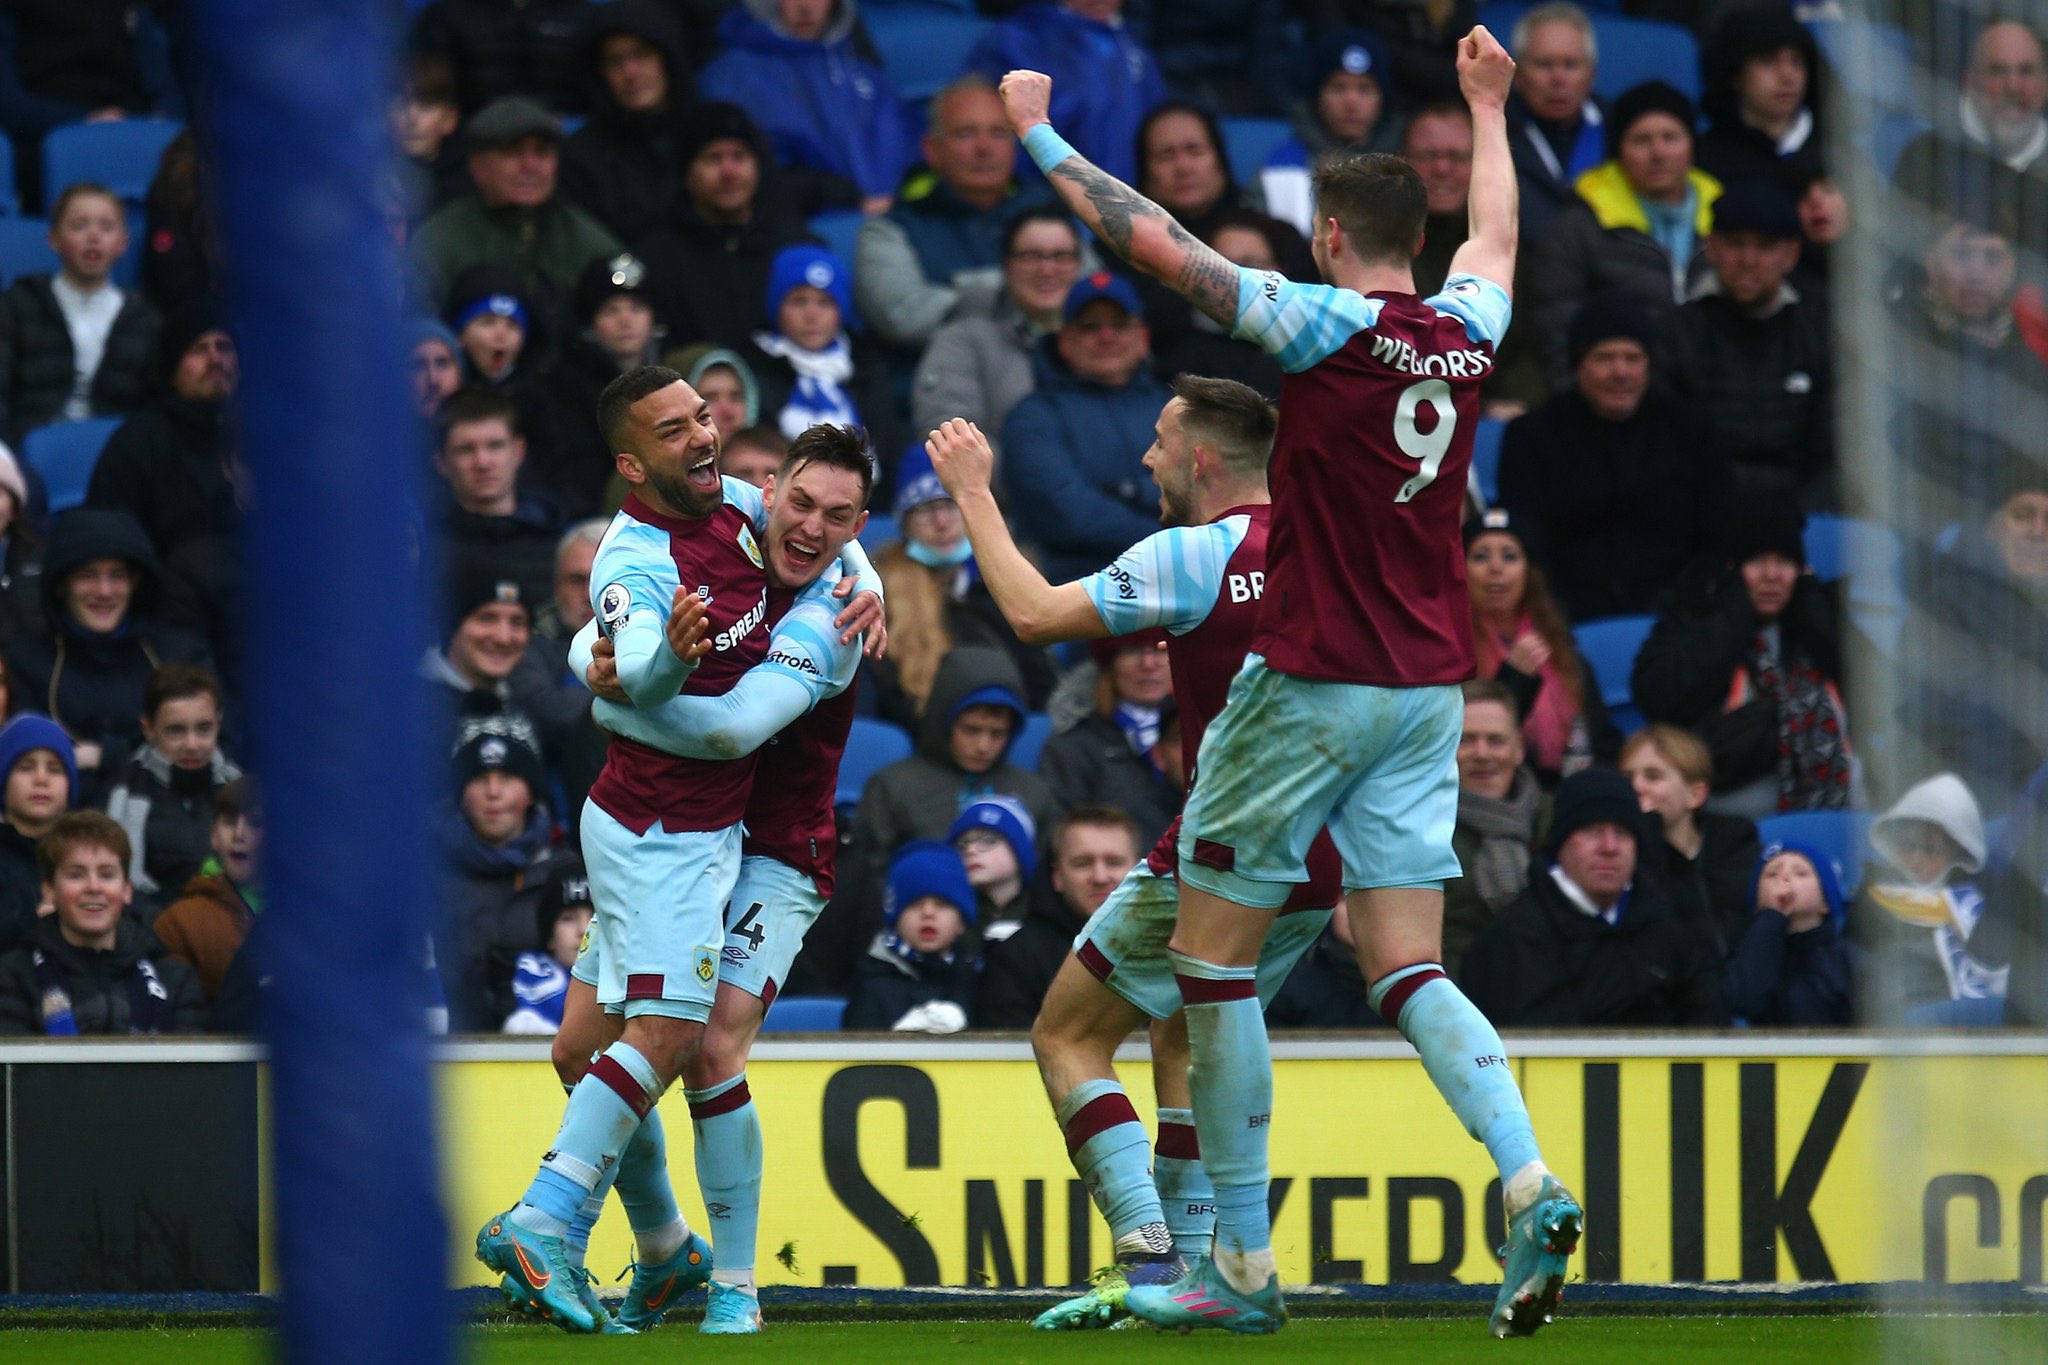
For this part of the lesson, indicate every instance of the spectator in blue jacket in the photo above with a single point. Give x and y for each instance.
(1343, 108)
(1076, 446)
(1103, 81)
(823, 101)
(1792, 967)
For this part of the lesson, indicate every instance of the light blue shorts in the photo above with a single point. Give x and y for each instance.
(660, 903)
(1123, 945)
(1378, 765)
(772, 908)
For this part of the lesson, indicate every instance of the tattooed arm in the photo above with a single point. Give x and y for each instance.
(1135, 228)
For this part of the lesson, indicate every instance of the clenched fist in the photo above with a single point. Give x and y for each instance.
(1027, 96)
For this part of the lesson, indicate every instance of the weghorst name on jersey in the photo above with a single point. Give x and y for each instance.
(1398, 355)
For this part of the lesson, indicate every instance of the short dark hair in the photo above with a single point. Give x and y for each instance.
(473, 403)
(76, 190)
(622, 393)
(1451, 109)
(430, 78)
(1378, 199)
(758, 438)
(1230, 418)
(241, 797)
(81, 829)
(1099, 815)
(840, 447)
(176, 682)
(1211, 129)
(1042, 213)
(1493, 690)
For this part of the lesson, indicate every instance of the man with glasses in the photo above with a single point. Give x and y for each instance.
(1083, 495)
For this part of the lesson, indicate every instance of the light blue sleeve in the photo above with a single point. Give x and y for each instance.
(1170, 579)
(748, 499)
(1298, 325)
(580, 647)
(854, 563)
(632, 585)
(1482, 305)
(805, 665)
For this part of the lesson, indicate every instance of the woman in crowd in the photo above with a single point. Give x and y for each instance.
(1710, 858)
(1111, 756)
(1524, 642)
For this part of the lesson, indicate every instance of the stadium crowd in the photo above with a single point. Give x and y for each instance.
(1674, 810)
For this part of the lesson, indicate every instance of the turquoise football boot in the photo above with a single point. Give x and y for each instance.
(655, 1288)
(540, 1267)
(732, 1311)
(1541, 1238)
(1103, 1305)
(1203, 1298)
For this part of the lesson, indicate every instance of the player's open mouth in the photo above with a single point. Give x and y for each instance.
(704, 473)
(800, 554)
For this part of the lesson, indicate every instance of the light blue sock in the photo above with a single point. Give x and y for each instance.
(728, 1129)
(1230, 1076)
(648, 1194)
(1109, 1148)
(577, 1238)
(1185, 1195)
(1464, 1057)
(604, 1110)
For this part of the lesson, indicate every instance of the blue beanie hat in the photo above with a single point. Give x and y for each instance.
(814, 266)
(1825, 868)
(28, 732)
(994, 694)
(423, 328)
(1006, 816)
(916, 484)
(926, 867)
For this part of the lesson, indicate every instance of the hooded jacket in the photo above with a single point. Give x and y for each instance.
(206, 927)
(163, 467)
(1938, 942)
(37, 364)
(825, 104)
(1083, 496)
(624, 166)
(100, 982)
(92, 684)
(917, 798)
(1103, 81)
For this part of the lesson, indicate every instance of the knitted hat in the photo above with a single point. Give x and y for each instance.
(422, 329)
(916, 484)
(1352, 50)
(926, 867)
(1638, 101)
(472, 584)
(1766, 526)
(1006, 816)
(491, 751)
(1826, 869)
(1593, 796)
(183, 325)
(1760, 207)
(28, 732)
(713, 122)
(607, 278)
(1103, 284)
(567, 888)
(994, 694)
(1608, 317)
(814, 266)
(487, 288)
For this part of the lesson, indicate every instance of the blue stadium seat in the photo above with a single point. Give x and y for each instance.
(871, 746)
(881, 530)
(805, 1014)
(25, 249)
(1247, 142)
(1636, 50)
(1827, 546)
(1031, 740)
(1610, 647)
(924, 46)
(838, 229)
(1486, 439)
(1843, 835)
(122, 155)
(64, 454)
(9, 205)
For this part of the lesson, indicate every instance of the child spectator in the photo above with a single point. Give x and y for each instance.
(88, 968)
(997, 841)
(810, 370)
(917, 976)
(1925, 919)
(164, 795)
(723, 379)
(488, 311)
(618, 331)
(1709, 859)
(540, 977)
(206, 926)
(1791, 968)
(75, 344)
(41, 778)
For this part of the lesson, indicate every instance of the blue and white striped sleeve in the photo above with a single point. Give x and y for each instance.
(1298, 325)
(1483, 306)
(1170, 579)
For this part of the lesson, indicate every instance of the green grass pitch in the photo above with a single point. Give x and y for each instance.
(1633, 1341)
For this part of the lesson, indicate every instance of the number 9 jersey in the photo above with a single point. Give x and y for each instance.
(1365, 569)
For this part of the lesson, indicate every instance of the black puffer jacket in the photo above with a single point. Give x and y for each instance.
(21, 887)
(621, 165)
(163, 468)
(890, 983)
(92, 684)
(1766, 387)
(1018, 970)
(36, 361)
(710, 280)
(102, 983)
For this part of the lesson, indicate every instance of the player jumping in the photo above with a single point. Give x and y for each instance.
(1201, 580)
(1347, 713)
